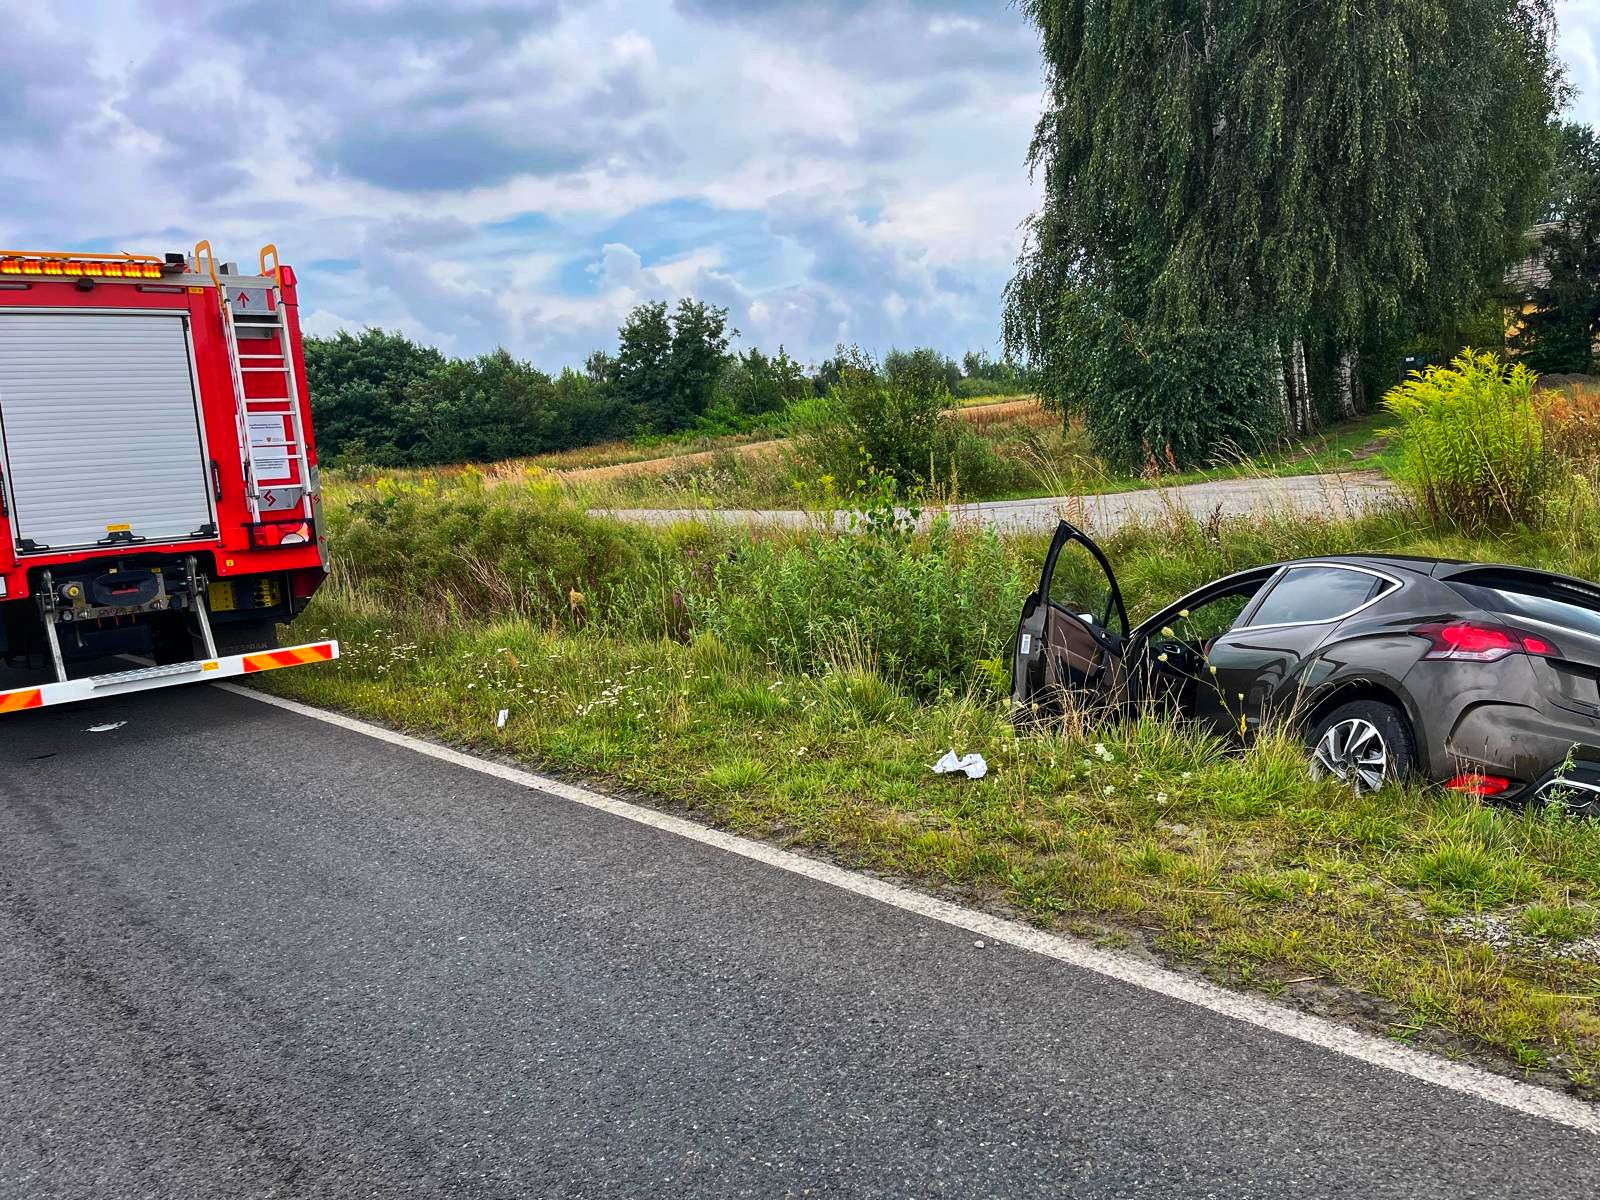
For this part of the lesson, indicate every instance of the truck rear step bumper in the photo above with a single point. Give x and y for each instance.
(147, 679)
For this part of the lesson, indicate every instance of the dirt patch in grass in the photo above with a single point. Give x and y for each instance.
(675, 462)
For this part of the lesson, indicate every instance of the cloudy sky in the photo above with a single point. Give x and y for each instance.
(522, 172)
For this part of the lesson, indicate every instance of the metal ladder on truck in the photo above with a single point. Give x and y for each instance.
(272, 440)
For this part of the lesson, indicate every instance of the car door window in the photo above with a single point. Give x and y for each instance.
(1180, 636)
(1208, 612)
(1080, 587)
(1079, 583)
(1308, 595)
(1215, 616)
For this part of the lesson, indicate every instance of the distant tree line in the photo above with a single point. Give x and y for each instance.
(380, 399)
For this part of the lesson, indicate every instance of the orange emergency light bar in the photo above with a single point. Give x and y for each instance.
(29, 264)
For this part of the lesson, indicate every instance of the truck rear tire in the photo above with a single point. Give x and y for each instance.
(245, 637)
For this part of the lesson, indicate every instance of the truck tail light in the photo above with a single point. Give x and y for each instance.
(1468, 641)
(297, 533)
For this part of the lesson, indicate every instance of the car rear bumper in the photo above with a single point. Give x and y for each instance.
(1523, 743)
(1575, 785)
(1495, 719)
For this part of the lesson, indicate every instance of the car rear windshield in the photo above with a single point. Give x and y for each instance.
(1568, 603)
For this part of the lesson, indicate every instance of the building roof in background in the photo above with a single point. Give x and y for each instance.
(1533, 272)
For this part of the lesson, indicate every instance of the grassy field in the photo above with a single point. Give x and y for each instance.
(588, 458)
(797, 687)
(1039, 457)
(1359, 445)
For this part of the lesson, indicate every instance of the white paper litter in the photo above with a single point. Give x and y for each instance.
(500, 722)
(970, 765)
(105, 728)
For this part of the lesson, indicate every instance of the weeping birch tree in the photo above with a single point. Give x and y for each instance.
(1318, 174)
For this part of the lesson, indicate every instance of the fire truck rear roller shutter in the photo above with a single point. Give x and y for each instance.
(101, 428)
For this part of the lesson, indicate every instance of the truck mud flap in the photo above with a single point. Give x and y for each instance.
(147, 679)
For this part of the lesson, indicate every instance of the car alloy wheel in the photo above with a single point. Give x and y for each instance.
(1353, 751)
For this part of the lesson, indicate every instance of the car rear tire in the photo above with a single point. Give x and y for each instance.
(1365, 743)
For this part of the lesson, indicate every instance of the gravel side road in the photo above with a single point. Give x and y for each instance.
(1343, 495)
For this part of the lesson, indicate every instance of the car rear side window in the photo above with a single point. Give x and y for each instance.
(1304, 595)
(1513, 594)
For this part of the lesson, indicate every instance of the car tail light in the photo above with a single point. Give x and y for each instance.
(1477, 784)
(1473, 642)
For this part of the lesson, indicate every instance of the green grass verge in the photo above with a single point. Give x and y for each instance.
(650, 661)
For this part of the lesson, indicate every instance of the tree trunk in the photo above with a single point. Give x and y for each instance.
(1280, 372)
(1344, 374)
(1303, 418)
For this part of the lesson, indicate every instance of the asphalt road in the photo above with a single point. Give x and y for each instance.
(1349, 494)
(244, 953)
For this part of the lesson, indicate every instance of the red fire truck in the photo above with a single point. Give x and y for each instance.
(159, 496)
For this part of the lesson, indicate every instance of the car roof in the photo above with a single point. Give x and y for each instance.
(1526, 572)
(1401, 562)
(1438, 568)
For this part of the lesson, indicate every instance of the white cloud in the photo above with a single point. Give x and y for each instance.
(479, 171)
(461, 170)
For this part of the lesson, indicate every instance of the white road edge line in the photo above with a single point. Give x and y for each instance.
(1418, 1064)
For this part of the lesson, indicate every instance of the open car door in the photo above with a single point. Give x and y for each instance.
(1069, 650)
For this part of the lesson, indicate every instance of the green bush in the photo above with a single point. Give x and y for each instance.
(1154, 400)
(1471, 443)
(893, 425)
(491, 551)
(1006, 377)
(922, 365)
(975, 388)
(358, 394)
(754, 392)
(1187, 399)
(924, 609)
(999, 463)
